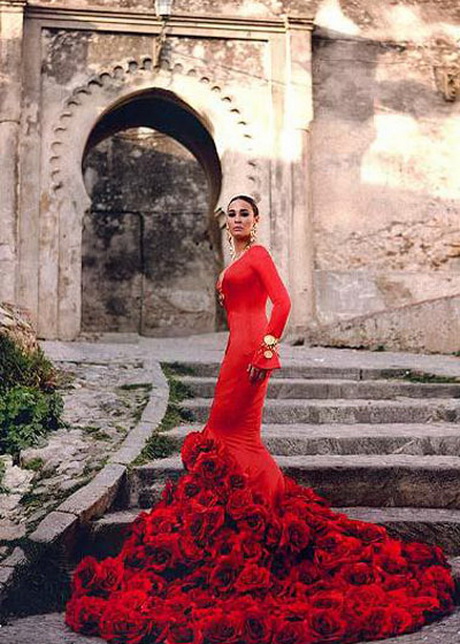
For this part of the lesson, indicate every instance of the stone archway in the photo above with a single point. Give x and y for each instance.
(154, 177)
(64, 199)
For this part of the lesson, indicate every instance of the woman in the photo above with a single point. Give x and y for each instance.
(237, 553)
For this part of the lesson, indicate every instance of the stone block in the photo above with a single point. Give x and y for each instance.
(54, 527)
(94, 498)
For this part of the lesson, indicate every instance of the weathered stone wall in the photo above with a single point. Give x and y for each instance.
(386, 194)
(368, 185)
(15, 323)
(147, 262)
(168, 287)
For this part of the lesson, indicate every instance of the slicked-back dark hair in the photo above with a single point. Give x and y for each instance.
(248, 199)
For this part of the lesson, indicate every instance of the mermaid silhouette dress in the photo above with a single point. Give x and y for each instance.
(235, 552)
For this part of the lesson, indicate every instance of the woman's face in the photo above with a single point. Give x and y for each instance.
(240, 218)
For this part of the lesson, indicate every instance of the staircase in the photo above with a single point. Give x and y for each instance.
(378, 446)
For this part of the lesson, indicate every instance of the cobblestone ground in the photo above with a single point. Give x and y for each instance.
(103, 401)
(50, 629)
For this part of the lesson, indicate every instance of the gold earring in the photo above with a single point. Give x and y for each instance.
(230, 242)
(253, 234)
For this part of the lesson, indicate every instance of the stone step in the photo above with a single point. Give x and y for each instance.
(428, 525)
(305, 371)
(344, 411)
(395, 480)
(203, 387)
(399, 438)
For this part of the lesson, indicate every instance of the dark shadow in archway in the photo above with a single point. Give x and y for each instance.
(150, 237)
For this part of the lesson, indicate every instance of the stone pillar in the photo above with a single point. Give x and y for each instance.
(11, 31)
(291, 230)
(299, 114)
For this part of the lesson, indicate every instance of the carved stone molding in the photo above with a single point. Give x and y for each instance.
(244, 27)
(448, 82)
(12, 5)
(125, 72)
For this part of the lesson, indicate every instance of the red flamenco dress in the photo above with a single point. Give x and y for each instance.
(237, 553)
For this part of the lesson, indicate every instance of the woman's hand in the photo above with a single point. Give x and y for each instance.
(256, 374)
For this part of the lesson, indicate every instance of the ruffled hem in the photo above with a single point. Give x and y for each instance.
(213, 562)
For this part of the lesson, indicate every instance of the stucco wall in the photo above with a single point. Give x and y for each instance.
(385, 153)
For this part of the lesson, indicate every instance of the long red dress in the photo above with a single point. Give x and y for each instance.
(238, 553)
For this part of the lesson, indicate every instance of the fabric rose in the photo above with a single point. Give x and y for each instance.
(358, 599)
(438, 577)
(85, 575)
(237, 480)
(295, 533)
(227, 543)
(253, 578)
(222, 627)
(110, 575)
(161, 520)
(308, 572)
(147, 581)
(210, 467)
(130, 618)
(334, 548)
(201, 522)
(168, 493)
(287, 632)
(273, 532)
(98, 578)
(224, 573)
(134, 556)
(389, 558)
(163, 551)
(187, 488)
(328, 599)
(359, 573)
(423, 607)
(367, 532)
(255, 519)
(83, 614)
(249, 546)
(238, 503)
(257, 626)
(386, 621)
(422, 553)
(191, 552)
(194, 445)
(327, 624)
(184, 632)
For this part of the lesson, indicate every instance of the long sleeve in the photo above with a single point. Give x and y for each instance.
(279, 296)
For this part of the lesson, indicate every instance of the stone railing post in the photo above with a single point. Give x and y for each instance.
(11, 32)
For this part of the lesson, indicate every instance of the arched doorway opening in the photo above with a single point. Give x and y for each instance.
(150, 242)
